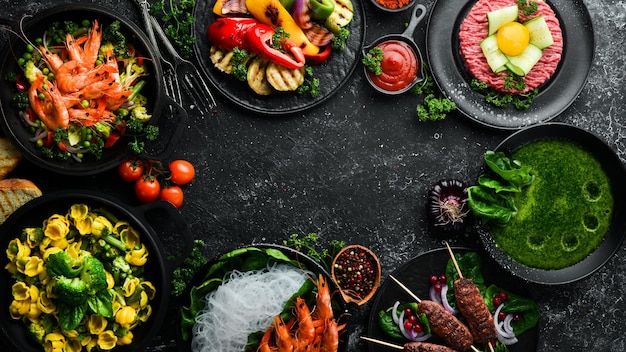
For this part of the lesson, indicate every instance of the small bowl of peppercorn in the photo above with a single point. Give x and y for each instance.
(356, 270)
(393, 5)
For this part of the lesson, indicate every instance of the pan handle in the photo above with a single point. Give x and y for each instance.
(176, 226)
(178, 131)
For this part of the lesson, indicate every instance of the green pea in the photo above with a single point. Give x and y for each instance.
(39, 143)
(86, 23)
(21, 61)
(41, 96)
(50, 76)
(38, 40)
(45, 71)
(86, 144)
(84, 103)
(79, 155)
(27, 56)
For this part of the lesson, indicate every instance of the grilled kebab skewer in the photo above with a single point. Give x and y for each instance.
(442, 323)
(472, 305)
(413, 346)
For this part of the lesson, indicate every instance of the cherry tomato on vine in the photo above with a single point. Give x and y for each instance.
(147, 190)
(172, 194)
(182, 172)
(130, 170)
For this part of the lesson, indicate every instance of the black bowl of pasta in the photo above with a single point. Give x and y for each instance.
(80, 90)
(52, 246)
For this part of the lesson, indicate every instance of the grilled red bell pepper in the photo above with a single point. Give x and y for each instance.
(259, 38)
(250, 35)
(319, 57)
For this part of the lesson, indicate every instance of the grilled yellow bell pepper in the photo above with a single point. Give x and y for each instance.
(273, 13)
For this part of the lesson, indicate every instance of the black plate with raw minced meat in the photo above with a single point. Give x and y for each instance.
(554, 95)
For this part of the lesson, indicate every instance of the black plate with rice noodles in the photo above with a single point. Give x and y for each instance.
(239, 293)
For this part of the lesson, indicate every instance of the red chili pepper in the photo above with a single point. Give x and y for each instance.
(62, 146)
(319, 57)
(228, 32)
(259, 39)
(48, 141)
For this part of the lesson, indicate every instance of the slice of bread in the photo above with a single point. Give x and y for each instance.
(9, 157)
(15, 192)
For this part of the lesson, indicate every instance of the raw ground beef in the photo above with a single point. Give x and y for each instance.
(475, 28)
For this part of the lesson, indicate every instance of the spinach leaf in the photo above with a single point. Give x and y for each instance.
(388, 326)
(70, 316)
(102, 303)
(514, 303)
(497, 185)
(510, 170)
(489, 205)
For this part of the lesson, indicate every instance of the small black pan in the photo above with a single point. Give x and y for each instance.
(418, 13)
(33, 27)
(158, 268)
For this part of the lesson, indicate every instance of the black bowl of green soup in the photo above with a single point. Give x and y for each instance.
(559, 219)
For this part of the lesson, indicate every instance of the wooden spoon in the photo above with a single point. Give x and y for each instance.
(356, 270)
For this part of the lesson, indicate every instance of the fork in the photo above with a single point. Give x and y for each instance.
(192, 78)
(170, 78)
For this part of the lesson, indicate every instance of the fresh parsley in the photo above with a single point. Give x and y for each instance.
(311, 84)
(372, 60)
(308, 244)
(503, 100)
(527, 7)
(178, 19)
(434, 107)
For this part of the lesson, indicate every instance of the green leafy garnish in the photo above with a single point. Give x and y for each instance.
(372, 60)
(527, 7)
(492, 199)
(434, 107)
(308, 245)
(239, 63)
(339, 39)
(311, 84)
(178, 19)
(503, 100)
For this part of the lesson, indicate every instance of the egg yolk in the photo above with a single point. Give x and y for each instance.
(512, 38)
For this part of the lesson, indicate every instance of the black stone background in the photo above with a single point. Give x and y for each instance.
(357, 168)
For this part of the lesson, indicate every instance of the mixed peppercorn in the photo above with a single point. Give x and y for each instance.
(356, 272)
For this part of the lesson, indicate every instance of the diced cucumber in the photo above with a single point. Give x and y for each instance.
(500, 17)
(521, 64)
(540, 35)
(495, 57)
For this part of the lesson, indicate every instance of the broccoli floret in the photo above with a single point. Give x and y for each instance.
(93, 275)
(112, 34)
(20, 100)
(120, 264)
(71, 291)
(62, 264)
(31, 72)
(141, 114)
(132, 73)
(38, 329)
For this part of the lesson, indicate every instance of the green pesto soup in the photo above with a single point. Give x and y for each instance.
(564, 214)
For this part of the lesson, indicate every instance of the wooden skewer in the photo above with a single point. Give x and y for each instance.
(383, 343)
(456, 265)
(458, 270)
(406, 289)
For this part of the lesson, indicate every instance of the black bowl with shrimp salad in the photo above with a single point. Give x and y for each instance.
(80, 89)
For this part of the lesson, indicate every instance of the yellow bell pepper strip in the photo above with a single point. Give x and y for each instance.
(273, 13)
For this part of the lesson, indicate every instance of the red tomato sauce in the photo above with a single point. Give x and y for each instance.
(399, 66)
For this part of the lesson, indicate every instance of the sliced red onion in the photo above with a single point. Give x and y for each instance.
(508, 335)
(394, 312)
(319, 35)
(444, 300)
(410, 334)
(434, 295)
(300, 13)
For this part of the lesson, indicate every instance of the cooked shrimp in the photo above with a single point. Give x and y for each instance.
(330, 337)
(323, 309)
(92, 44)
(283, 336)
(306, 329)
(51, 110)
(70, 80)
